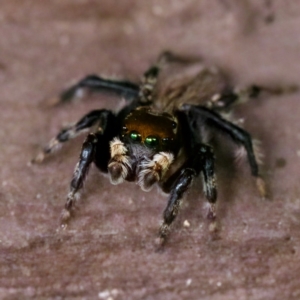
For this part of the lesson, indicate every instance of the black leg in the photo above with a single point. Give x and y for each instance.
(94, 149)
(148, 85)
(181, 185)
(199, 115)
(229, 97)
(86, 158)
(206, 160)
(202, 160)
(150, 77)
(95, 83)
(93, 118)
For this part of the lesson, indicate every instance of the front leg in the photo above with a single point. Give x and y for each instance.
(98, 117)
(82, 167)
(181, 185)
(202, 161)
(94, 149)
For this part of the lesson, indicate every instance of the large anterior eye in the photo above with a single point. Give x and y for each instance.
(151, 141)
(135, 136)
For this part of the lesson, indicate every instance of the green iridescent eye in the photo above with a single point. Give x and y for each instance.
(151, 141)
(135, 136)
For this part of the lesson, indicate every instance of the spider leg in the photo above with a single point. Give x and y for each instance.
(94, 149)
(207, 160)
(84, 124)
(199, 115)
(150, 77)
(86, 158)
(95, 83)
(230, 97)
(180, 186)
(148, 84)
(202, 161)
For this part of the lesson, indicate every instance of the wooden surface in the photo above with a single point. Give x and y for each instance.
(107, 252)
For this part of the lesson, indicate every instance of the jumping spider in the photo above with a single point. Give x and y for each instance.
(162, 135)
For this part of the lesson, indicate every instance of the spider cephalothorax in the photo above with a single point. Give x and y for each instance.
(162, 136)
(156, 131)
(145, 149)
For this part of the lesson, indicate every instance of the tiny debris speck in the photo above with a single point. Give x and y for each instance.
(186, 223)
(188, 282)
(108, 294)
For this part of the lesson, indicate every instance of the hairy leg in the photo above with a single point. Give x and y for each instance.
(150, 77)
(94, 149)
(94, 83)
(93, 118)
(202, 160)
(181, 185)
(85, 159)
(229, 97)
(202, 115)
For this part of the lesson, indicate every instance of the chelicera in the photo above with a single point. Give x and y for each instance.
(162, 135)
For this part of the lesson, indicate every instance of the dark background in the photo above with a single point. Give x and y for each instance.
(107, 252)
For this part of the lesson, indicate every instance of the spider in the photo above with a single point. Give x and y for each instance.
(162, 135)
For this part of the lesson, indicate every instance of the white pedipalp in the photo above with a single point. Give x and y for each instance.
(119, 161)
(156, 168)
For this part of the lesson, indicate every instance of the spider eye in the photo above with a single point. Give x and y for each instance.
(135, 136)
(151, 141)
(166, 141)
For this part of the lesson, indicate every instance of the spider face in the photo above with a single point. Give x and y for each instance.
(148, 143)
(162, 136)
(158, 132)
